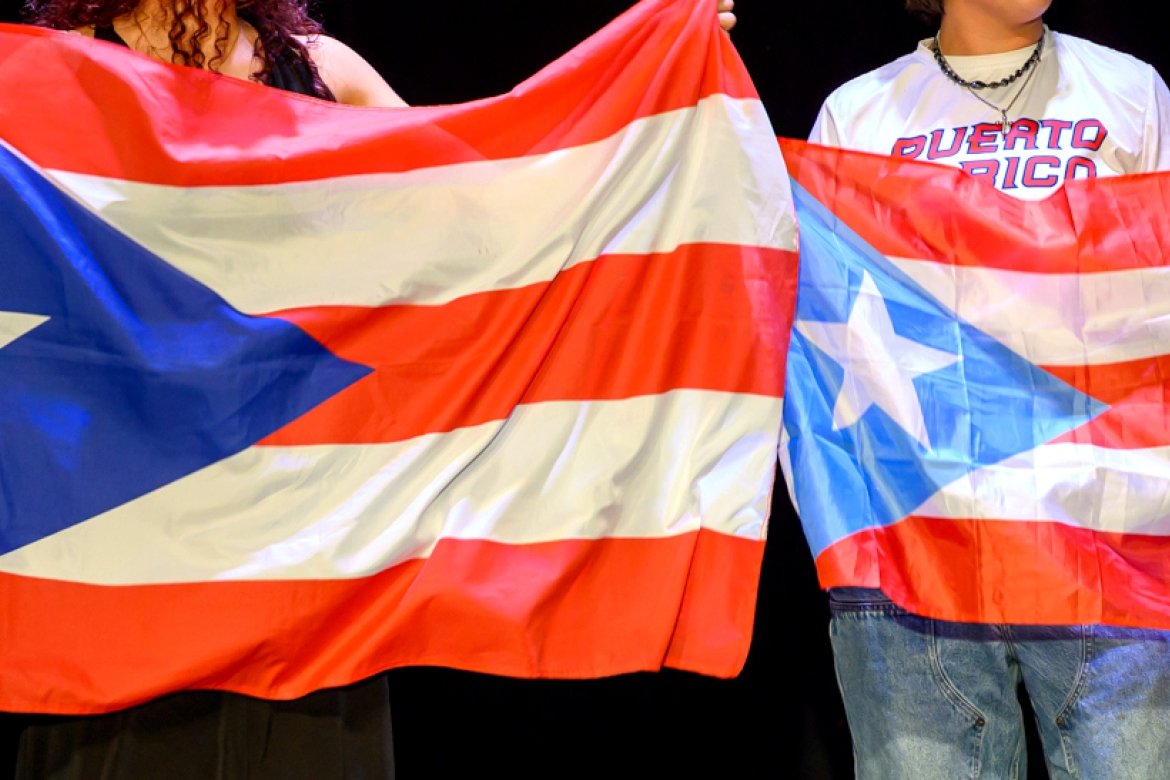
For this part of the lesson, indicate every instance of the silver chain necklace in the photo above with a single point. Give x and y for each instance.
(1027, 70)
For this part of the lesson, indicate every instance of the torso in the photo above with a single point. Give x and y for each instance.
(1086, 111)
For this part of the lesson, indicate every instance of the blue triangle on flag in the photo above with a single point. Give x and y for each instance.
(988, 405)
(135, 376)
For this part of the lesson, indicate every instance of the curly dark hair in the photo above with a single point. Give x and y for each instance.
(930, 10)
(276, 21)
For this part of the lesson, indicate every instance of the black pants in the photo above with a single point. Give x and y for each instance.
(341, 734)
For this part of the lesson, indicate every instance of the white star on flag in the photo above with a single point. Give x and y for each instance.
(880, 366)
(14, 324)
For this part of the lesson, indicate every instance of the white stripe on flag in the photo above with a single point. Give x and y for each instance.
(648, 467)
(432, 235)
(1057, 319)
(1122, 491)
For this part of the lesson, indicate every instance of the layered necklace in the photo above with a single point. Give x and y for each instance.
(1025, 71)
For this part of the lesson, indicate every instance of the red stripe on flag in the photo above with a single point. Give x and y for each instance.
(658, 57)
(905, 208)
(1008, 572)
(706, 316)
(1137, 392)
(562, 610)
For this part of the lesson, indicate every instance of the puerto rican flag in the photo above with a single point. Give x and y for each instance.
(976, 417)
(293, 392)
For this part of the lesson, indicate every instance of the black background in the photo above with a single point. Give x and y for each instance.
(781, 718)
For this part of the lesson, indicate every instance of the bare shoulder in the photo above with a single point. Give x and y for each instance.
(353, 80)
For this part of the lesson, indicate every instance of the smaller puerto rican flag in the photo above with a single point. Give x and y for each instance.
(976, 417)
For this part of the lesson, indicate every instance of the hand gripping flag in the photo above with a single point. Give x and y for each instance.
(292, 392)
(976, 417)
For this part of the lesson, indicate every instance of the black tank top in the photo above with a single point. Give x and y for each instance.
(290, 72)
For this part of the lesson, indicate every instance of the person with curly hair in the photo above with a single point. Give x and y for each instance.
(998, 94)
(204, 735)
(273, 42)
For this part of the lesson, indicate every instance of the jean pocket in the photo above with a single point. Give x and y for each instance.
(845, 600)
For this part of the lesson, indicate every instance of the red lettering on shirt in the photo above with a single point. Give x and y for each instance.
(1080, 168)
(1024, 130)
(983, 139)
(1033, 177)
(987, 145)
(1088, 134)
(1011, 171)
(1055, 128)
(982, 169)
(936, 152)
(909, 147)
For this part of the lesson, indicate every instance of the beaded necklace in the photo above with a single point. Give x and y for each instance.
(973, 87)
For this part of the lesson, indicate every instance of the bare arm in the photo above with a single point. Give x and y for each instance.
(353, 80)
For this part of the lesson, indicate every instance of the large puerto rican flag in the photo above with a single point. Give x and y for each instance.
(976, 413)
(291, 392)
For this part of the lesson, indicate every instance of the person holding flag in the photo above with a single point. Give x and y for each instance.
(335, 732)
(273, 42)
(1023, 108)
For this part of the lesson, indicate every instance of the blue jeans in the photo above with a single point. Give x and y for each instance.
(928, 699)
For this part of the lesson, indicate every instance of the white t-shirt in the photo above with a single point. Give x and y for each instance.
(1087, 110)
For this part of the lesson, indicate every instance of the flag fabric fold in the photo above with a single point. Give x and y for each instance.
(975, 415)
(293, 392)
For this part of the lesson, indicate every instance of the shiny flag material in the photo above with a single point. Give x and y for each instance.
(976, 416)
(292, 392)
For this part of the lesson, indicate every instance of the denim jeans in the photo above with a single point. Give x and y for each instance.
(932, 700)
